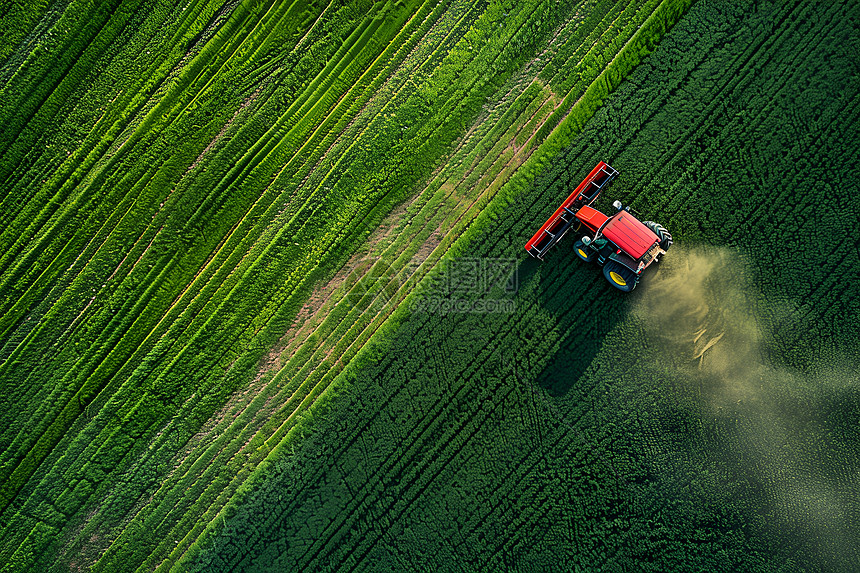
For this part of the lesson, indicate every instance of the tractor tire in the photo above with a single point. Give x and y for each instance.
(664, 236)
(583, 252)
(620, 276)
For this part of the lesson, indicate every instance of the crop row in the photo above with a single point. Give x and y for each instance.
(31, 291)
(126, 258)
(167, 449)
(134, 260)
(453, 439)
(481, 175)
(204, 483)
(92, 373)
(316, 366)
(209, 470)
(109, 427)
(312, 374)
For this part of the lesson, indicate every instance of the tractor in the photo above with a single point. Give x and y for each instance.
(622, 244)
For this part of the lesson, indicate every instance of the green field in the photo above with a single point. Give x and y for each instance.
(265, 303)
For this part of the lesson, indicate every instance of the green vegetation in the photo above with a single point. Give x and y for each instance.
(177, 217)
(227, 226)
(595, 430)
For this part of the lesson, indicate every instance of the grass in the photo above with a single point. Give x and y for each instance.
(216, 249)
(571, 431)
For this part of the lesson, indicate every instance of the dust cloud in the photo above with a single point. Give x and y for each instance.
(790, 430)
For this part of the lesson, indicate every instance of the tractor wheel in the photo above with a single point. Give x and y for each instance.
(663, 235)
(585, 253)
(620, 276)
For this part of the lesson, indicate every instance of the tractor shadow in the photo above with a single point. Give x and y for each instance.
(586, 308)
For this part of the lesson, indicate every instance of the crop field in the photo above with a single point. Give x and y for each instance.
(264, 303)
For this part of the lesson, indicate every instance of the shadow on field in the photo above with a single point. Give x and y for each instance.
(586, 307)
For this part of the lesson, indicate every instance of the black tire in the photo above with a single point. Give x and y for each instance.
(620, 276)
(664, 236)
(585, 253)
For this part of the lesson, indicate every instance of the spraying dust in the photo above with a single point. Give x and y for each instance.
(787, 429)
(697, 311)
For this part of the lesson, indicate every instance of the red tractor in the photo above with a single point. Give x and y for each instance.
(622, 244)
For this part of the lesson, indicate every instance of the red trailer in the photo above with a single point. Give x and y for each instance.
(620, 243)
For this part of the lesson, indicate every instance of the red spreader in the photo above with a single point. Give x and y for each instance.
(621, 243)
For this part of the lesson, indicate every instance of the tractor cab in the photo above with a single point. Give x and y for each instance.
(621, 243)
